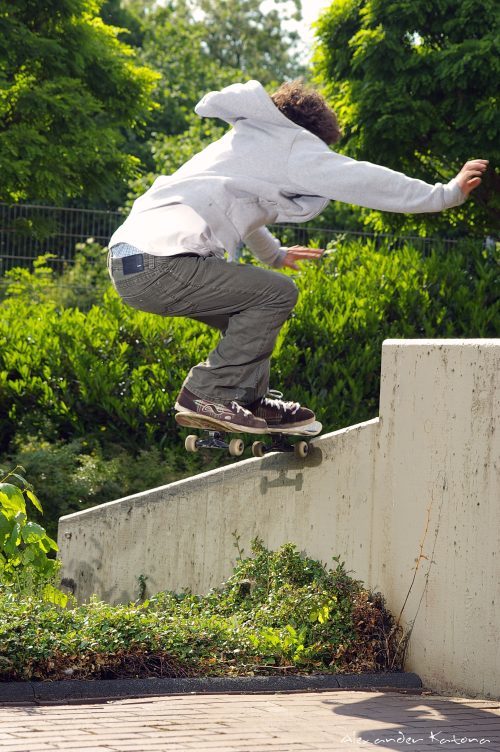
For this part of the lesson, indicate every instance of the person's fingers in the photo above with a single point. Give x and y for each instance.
(481, 164)
(470, 175)
(305, 248)
(305, 252)
(473, 182)
(477, 166)
(477, 169)
(297, 253)
(467, 185)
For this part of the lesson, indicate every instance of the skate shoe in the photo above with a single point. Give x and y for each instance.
(280, 414)
(216, 415)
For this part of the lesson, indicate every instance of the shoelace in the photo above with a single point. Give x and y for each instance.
(273, 398)
(240, 409)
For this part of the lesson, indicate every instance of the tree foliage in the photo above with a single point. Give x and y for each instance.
(242, 37)
(174, 45)
(25, 564)
(87, 88)
(415, 85)
(68, 89)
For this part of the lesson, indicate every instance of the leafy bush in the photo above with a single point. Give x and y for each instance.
(90, 390)
(328, 356)
(66, 373)
(25, 566)
(76, 474)
(280, 611)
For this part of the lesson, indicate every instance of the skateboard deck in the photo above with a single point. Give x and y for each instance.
(215, 439)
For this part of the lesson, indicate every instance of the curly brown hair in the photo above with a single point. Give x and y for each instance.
(306, 107)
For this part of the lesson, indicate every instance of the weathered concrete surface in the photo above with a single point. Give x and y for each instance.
(181, 535)
(437, 495)
(410, 501)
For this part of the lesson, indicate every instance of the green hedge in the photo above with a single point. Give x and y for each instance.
(329, 354)
(87, 385)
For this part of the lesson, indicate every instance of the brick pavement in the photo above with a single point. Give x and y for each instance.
(334, 721)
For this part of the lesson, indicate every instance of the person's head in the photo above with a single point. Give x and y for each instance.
(307, 108)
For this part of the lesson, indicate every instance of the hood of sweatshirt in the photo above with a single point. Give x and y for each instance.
(248, 101)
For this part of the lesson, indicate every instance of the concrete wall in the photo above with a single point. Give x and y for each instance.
(438, 487)
(410, 501)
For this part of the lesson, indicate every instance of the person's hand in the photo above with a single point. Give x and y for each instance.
(469, 176)
(301, 253)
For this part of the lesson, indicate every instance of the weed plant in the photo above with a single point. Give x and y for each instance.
(26, 566)
(280, 612)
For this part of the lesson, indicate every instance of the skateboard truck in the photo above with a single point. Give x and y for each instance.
(280, 443)
(215, 440)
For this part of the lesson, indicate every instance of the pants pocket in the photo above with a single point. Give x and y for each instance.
(164, 295)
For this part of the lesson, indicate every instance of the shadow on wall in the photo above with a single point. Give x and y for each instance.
(273, 464)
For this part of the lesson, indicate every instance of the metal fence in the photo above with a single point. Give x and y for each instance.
(28, 230)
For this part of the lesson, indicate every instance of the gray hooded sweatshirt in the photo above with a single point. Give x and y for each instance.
(264, 170)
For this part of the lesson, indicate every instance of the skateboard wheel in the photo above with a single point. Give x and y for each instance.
(301, 449)
(191, 443)
(258, 449)
(236, 447)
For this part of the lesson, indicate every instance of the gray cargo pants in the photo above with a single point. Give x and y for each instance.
(246, 303)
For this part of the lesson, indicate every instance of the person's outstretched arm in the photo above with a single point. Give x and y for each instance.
(316, 170)
(267, 249)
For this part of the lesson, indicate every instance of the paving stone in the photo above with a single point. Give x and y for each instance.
(333, 721)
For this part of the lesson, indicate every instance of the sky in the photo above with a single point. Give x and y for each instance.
(310, 12)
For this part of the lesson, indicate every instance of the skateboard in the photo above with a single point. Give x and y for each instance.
(216, 438)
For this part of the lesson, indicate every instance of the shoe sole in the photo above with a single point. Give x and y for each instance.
(194, 420)
(312, 428)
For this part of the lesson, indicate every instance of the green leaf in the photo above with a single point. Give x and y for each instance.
(32, 532)
(10, 547)
(12, 499)
(54, 595)
(6, 525)
(44, 545)
(20, 478)
(52, 543)
(28, 556)
(34, 500)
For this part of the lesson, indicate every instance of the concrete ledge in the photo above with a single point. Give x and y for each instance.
(408, 500)
(182, 535)
(17, 693)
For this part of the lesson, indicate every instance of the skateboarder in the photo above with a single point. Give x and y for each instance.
(273, 165)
